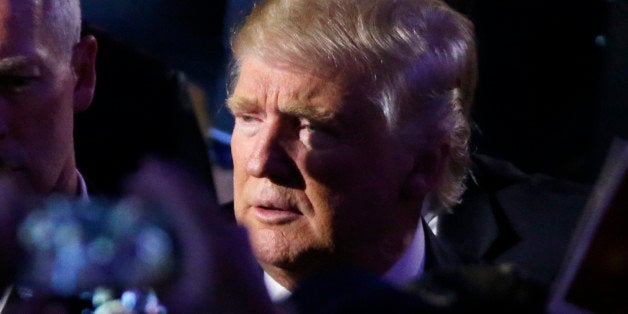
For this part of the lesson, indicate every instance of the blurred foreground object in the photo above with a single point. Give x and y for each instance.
(72, 247)
(449, 289)
(163, 247)
(594, 274)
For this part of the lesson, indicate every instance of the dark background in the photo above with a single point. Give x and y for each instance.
(553, 86)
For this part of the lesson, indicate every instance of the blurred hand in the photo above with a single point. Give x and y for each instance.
(213, 267)
(217, 271)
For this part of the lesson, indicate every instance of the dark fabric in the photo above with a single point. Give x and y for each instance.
(350, 291)
(478, 289)
(438, 254)
(507, 216)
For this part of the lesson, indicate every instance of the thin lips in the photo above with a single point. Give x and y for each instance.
(274, 205)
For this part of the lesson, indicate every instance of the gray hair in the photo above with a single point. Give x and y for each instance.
(412, 58)
(63, 19)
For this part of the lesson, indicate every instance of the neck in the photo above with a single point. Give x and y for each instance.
(378, 255)
(68, 182)
(375, 255)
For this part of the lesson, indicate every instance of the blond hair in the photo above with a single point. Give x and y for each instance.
(412, 58)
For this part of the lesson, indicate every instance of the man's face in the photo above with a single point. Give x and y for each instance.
(317, 177)
(37, 87)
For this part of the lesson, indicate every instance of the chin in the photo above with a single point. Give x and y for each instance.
(272, 248)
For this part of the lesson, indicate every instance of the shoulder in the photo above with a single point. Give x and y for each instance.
(508, 216)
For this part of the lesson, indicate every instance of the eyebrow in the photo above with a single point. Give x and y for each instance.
(14, 63)
(297, 109)
(238, 104)
(313, 113)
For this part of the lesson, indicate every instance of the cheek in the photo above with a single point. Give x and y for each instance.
(49, 101)
(47, 132)
(54, 116)
(331, 181)
(338, 168)
(353, 178)
(239, 152)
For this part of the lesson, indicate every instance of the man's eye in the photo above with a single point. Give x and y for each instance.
(247, 124)
(315, 127)
(310, 128)
(317, 136)
(247, 118)
(16, 82)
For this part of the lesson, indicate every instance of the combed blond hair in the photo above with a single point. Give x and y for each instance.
(415, 59)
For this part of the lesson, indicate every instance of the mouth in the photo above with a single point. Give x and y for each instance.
(276, 215)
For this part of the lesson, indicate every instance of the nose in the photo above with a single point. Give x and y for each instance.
(270, 157)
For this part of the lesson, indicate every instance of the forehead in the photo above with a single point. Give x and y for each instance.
(262, 84)
(19, 20)
(295, 93)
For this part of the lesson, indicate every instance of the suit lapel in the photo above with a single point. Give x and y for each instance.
(543, 213)
(475, 216)
(437, 254)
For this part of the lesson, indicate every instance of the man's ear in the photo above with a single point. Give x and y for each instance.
(428, 168)
(84, 67)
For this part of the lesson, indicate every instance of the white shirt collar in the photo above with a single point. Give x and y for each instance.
(276, 291)
(82, 192)
(408, 267)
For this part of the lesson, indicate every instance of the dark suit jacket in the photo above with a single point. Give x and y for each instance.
(507, 216)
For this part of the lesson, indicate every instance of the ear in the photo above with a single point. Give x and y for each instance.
(426, 173)
(84, 67)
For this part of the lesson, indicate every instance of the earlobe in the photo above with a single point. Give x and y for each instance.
(84, 67)
(426, 172)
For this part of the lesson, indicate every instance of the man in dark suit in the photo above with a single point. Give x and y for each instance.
(508, 216)
(47, 73)
(350, 117)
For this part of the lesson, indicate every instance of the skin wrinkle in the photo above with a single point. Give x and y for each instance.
(10, 64)
(297, 109)
(338, 224)
(398, 134)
